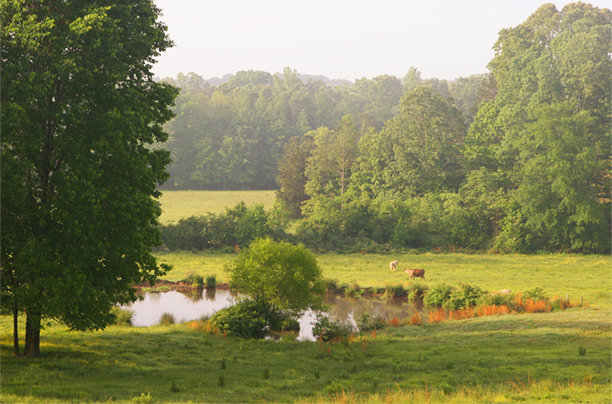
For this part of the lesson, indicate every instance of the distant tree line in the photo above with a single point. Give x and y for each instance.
(231, 136)
(517, 160)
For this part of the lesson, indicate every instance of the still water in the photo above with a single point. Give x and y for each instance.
(192, 306)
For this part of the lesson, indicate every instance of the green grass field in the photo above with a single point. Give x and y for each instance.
(557, 357)
(574, 275)
(180, 204)
(509, 358)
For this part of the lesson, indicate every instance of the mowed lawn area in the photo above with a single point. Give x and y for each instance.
(177, 205)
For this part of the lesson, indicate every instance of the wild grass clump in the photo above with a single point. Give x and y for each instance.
(123, 316)
(395, 291)
(167, 319)
(211, 282)
(196, 281)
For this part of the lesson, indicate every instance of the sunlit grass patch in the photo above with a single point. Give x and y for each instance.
(178, 205)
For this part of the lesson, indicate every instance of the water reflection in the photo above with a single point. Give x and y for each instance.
(196, 304)
(184, 306)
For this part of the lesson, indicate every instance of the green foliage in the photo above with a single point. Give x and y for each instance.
(369, 322)
(395, 291)
(245, 319)
(81, 121)
(464, 296)
(167, 319)
(196, 281)
(438, 295)
(279, 275)
(236, 226)
(143, 399)
(547, 131)
(328, 330)
(535, 294)
(292, 174)
(211, 281)
(123, 316)
(498, 299)
(416, 291)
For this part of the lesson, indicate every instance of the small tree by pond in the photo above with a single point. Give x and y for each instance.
(278, 275)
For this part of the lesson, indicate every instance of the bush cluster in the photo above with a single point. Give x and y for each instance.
(458, 297)
(251, 319)
(368, 322)
(326, 330)
(237, 226)
(246, 319)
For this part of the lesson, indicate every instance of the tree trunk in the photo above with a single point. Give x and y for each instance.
(15, 329)
(32, 340)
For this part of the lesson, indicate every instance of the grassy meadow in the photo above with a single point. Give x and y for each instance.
(555, 357)
(588, 276)
(180, 204)
(507, 358)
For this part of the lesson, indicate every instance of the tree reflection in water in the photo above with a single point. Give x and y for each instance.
(198, 303)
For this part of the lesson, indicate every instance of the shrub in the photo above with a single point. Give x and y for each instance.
(167, 319)
(368, 322)
(280, 320)
(331, 286)
(327, 330)
(464, 296)
(499, 299)
(246, 319)
(416, 291)
(438, 295)
(536, 293)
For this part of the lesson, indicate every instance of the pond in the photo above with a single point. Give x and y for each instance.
(198, 303)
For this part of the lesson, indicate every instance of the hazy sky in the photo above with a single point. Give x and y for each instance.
(343, 39)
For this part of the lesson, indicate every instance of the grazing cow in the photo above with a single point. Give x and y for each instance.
(501, 292)
(415, 273)
(393, 265)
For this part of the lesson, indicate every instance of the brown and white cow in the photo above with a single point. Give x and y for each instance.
(393, 265)
(415, 273)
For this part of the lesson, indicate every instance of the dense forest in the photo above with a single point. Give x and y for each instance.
(516, 160)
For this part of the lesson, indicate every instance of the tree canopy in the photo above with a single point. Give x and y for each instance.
(80, 116)
(279, 274)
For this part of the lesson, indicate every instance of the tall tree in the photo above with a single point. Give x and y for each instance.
(292, 174)
(419, 150)
(551, 108)
(329, 167)
(80, 111)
